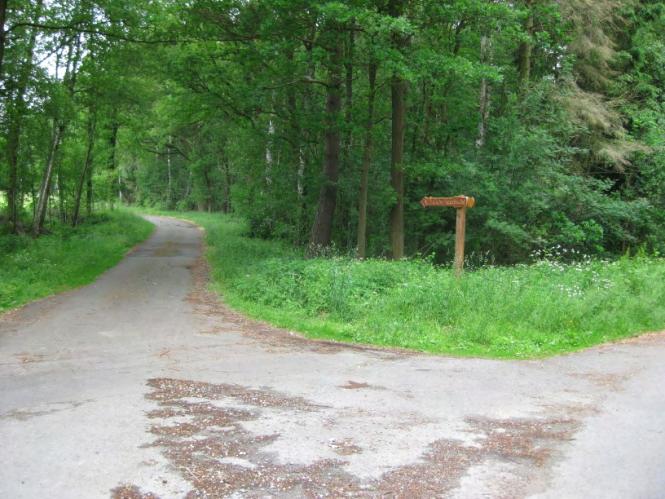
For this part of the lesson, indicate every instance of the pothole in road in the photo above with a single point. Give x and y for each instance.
(201, 428)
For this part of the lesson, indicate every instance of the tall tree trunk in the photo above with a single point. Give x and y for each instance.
(226, 205)
(44, 190)
(169, 193)
(188, 187)
(367, 161)
(347, 158)
(484, 97)
(398, 94)
(348, 86)
(89, 193)
(308, 107)
(16, 114)
(113, 143)
(298, 154)
(269, 156)
(322, 227)
(300, 174)
(428, 110)
(3, 34)
(61, 197)
(87, 165)
(33, 197)
(524, 51)
(208, 184)
(398, 91)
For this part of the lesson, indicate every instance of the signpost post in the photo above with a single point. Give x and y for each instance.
(461, 203)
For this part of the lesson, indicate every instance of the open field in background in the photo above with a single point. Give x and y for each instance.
(505, 312)
(66, 257)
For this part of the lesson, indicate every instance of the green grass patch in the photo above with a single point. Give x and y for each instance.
(66, 257)
(504, 312)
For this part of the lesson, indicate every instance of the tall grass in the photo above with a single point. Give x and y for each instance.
(66, 257)
(523, 311)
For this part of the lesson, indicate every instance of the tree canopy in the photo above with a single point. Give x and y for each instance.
(325, 122)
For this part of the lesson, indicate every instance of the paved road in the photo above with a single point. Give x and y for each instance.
(143, 385)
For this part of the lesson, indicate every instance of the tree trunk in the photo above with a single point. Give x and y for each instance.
(367, 160)
(113, 142)
(398, 93)
(524, 52)
(17, 113)
(44, 190)
(208, 184)
(296, 139)
(348, 85)
(87, 165)
(169, 193)
(427, 118)
(322, 228)
(188, 187)
(269, 157)
(61, 197)
(3, 34)
(33, 196)
(298, 155)
(89, 194)
(484, 97)
(227, 188)
(347, 158)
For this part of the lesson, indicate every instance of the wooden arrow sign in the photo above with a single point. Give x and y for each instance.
(461, 203)
(449, 202)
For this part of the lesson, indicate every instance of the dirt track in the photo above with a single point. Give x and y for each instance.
(143, 385)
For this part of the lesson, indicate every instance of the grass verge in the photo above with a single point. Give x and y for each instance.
(502, 312)
(66, 257)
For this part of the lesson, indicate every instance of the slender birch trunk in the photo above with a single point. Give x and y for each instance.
(44, 190)
(87, 165)
(485, 94)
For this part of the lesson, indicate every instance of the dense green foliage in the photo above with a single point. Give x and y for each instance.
(66, 257)
(551, 113)
(531, 310)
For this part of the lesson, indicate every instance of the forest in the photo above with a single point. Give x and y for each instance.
(323, 123)
(233, 261)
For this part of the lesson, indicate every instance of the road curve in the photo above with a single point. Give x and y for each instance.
(142, 384)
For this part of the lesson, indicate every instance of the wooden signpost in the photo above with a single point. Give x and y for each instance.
(461, 203)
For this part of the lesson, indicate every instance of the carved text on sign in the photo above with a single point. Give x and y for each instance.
(448, 202)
